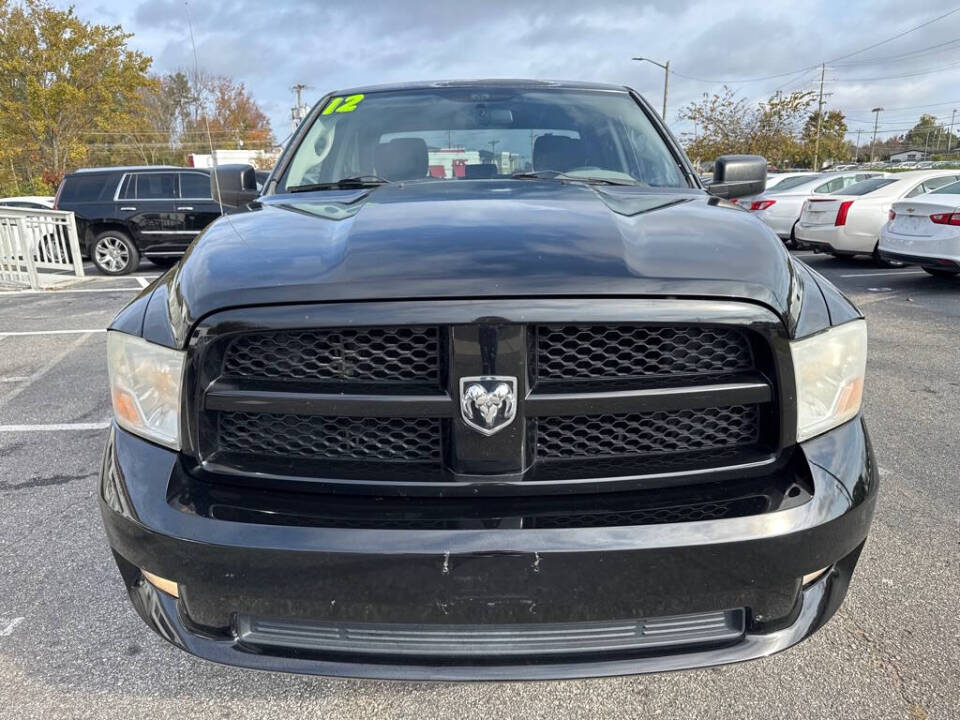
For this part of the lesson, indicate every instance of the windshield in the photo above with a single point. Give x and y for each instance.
(867, 186)
(457, 134)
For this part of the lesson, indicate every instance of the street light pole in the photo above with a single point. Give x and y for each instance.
(666, 81)
(876, 119)
(953, 116)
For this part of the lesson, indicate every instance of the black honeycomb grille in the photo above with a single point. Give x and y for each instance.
(693, 512)
(585, 352)
(586, 436)
(387, 354)
(331, 438)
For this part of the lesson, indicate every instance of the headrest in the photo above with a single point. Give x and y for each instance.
(482, 172)
(401, 159)
(557, 152)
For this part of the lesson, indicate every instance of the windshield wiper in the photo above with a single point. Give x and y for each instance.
(556, 175)
(360, 181)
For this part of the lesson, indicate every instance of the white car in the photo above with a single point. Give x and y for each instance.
(925, 231)
(782, 180)
(34, 202)
(848, 223)
(780, 207)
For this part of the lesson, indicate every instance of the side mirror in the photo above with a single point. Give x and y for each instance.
(738, 176)
(234, 185)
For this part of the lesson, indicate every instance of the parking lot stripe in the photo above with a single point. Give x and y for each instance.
(54, 361)
(20, 333)
(55, 427)
(889, 272)
(18, 293)
(143, 281)
(8, 626)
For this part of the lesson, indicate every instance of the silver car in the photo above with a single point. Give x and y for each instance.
(780, 207)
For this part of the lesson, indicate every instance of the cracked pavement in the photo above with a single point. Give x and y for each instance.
(892, 651)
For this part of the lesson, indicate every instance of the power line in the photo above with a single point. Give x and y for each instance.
(922, 51)
(817, 65)
(896, 77)
(912, 107)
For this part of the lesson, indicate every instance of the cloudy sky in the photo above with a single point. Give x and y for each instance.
(757, 48)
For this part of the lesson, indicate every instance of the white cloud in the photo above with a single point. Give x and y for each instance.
(270, 46)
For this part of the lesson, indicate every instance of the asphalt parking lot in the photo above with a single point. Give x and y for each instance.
(71, 646)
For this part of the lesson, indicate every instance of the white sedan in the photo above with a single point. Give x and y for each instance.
(780, 207)
(925, 231)
(848, 223)
(782, 180)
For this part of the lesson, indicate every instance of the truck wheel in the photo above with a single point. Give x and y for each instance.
(940, 272)
(114, 253)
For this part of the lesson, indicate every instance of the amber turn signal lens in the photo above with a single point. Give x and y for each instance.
(811, 577)
(162, 584)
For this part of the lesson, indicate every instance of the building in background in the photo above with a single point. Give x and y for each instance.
(262, 159)
(909, 156)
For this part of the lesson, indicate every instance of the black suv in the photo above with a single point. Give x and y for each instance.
(487, 385)
(124, 213)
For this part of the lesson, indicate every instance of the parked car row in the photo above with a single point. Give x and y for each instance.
(780, 205)
(862, 220)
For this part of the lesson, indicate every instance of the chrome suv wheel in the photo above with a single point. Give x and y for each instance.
(114, 253)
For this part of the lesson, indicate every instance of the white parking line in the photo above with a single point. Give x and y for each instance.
(107, 278)
(52, 363)
(15, 378)
(878, 274)
(143, 281)
(55, 427)
(7, 626)
(20, 333)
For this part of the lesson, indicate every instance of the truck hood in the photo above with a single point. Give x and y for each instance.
(473, 239)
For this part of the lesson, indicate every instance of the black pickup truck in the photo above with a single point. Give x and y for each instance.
(486, 384)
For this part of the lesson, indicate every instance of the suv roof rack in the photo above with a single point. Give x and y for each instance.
(120, 168)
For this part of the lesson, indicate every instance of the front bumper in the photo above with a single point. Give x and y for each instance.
(230, 570)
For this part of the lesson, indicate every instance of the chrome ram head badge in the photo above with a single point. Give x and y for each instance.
(488, 402)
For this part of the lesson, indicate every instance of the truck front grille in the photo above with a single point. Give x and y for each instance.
(382, 404)
(331, 438)
(583, 352)
(386, 354)
(584, 436)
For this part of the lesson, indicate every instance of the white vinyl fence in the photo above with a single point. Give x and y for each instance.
(38, 248)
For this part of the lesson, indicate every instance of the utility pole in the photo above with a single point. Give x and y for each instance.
(298, 113)
(953, 116)
(666, 81)
(856, 157)
(816, 144)
(876, 119)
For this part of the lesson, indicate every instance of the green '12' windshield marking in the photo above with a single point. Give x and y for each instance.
(343, 104)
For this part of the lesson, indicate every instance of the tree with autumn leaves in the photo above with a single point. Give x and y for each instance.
(782, 129)
(74, 93)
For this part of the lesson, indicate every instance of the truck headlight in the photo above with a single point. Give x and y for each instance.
(829, 369)
(145, 381)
